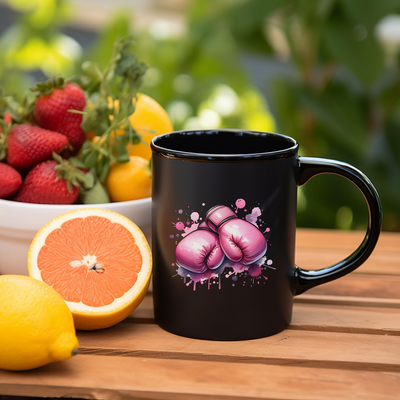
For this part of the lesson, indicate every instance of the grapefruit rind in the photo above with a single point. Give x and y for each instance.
(88, 317)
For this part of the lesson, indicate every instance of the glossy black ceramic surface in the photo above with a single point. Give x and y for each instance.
(220, 194)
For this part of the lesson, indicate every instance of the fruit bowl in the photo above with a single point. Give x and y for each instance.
(19, 223)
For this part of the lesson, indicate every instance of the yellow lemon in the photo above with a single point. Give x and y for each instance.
(36, 326)
(130, 180)
(99, 261)
(149, 120)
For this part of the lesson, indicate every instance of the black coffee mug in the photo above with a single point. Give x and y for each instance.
(223, 231)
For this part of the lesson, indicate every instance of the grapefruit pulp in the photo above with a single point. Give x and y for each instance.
(98, 261)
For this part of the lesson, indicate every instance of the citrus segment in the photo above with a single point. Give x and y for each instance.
(97, 260)
(85, 247)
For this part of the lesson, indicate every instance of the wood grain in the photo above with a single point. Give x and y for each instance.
(346, 300)
(343, 342)
(291, 347)
(350, 319)
(317, 258)
(362, 285)
(115, 378)
(350, 240)
(316, 249)
(317, 316)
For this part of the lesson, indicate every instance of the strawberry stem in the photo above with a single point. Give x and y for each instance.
(77, 112)
(109, 106)
(5, 128)
(73, 175)
(48, 86)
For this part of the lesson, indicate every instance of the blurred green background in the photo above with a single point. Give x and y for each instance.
(325, 72)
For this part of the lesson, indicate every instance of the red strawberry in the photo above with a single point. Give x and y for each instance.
(43, 185)
(29, 145)
(10, 181)
(7, 118)
(51, 109)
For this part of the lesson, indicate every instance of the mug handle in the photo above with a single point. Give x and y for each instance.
(310, 167)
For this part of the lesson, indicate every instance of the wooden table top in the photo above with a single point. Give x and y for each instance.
(343, 343)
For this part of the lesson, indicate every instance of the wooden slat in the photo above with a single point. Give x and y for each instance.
(290, 347)
(347, 300)
(362, 285)
(316, 249)
(348, 240)
(380, 262)
(317, 316)
(350, 319)
(343, 342)
(114, 378)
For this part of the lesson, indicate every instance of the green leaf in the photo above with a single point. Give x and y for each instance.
(123, 158)
(105, 168)
(369, 12)
(96, 195)
(386, 91)
(48, 86)
(97, 113)
(393, 139)
(285, 102)
(90, 159)
(120, 146)
(341, 115)
(252, 13)
(365, 58)
(93, 70)
(324, 8)
(76, 162)
(57, 158)
(88, 182)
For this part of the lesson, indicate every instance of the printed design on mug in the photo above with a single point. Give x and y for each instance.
(222, 246)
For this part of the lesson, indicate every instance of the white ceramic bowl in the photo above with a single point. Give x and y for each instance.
(19, 223)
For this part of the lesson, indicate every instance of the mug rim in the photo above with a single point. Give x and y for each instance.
(291, 150)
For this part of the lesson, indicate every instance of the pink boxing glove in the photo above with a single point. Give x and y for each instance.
(240, 240)
(199, 250)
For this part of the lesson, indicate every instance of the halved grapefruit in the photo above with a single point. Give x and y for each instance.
(98, 261)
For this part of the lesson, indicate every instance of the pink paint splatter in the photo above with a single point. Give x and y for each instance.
(189, 229)
(205, 276)
(180, 226)
(252, 218)
(194, 216)
(228, 270)
(240, 203)
(255, 270)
